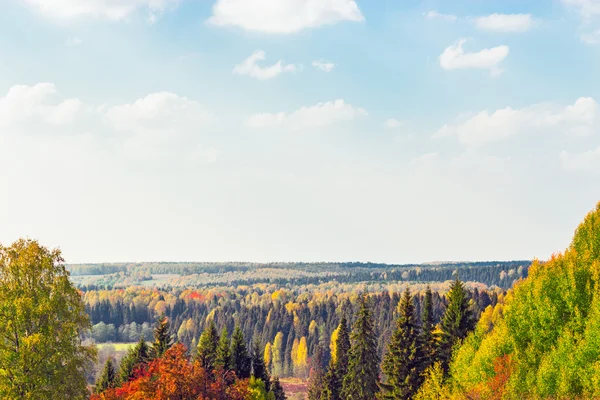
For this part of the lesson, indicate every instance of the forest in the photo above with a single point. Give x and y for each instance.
(369, 331)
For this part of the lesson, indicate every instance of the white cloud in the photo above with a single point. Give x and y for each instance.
(113, 10)
(591, 38)
(283, 16)
(588, 161)
(73, 41)
(579, 118)
(455, 57)
(431, 15)
(250, 67)
(587, 8)
(316, 116)
(159, 112)
(393, 123)
(323, 65)
(504, 22)
(32, 104)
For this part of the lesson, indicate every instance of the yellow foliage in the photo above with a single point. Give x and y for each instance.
(333, 343)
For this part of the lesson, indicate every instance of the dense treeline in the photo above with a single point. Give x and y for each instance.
(167, 275)
(292, 326)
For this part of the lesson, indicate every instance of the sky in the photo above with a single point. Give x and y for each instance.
(298, 130)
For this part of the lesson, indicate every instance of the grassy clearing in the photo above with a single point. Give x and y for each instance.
(117, 347)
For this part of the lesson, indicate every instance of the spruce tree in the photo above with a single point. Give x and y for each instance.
(403, 361)
(223, 360)
(206, 352)
(134, 357)
(277, 389)
(427, 337)
(458, 321)
(108, 378)
(259, 370)
(239, 354)
(338, 364)
(162, 338)
(316, 375)
(361, 382)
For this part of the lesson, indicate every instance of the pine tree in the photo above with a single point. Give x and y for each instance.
(259, 370)
(223, 360)
(316, 376)
(277, 389)
(338, 365)
(403, 362)
(206, 352)
(162, 338)
(362, 380)
(108, 378)
(427, 337)
(239, 354)
(458, 321)
(134, 357)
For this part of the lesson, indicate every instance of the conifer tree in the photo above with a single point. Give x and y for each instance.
(277, 389)
(458, 321)
(427, 337)
(338, 364)
(206, 352)
(259, 370)
(223, 360)
(135, 356)
(316, 375)
(361, 382)
(108, 378)
(162, 338)
(403, 361)
(239, 354)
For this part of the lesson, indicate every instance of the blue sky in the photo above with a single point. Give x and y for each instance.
(267, 130)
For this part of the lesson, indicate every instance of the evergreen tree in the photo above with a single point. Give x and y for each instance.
(206, 352)
(458, 321)
(223, 360)
(338, 364)
(427, 327)
(108, 378)
(277, 389)
(134, 357)
(239, 354)
(403, 362)
(316, 376)
(362, 380)
(259, 370)
(162, 338)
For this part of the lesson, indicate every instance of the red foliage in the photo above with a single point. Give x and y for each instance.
(175, 377)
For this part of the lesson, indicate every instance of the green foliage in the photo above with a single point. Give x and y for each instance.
(258, 390)
(239, 352)
(108, 377)
(162, 338)
(42, 319)
(277, 389)
(223, 360)
(259, 370)
(433, 388)
(404, 360)
(134, 357)
(427, 327)
(361, 382)
(338, 366)
(206, 351)
(458, 321)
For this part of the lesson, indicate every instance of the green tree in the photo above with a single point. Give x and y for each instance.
(42, 318)
(316, 375)
(361, 382)
(259, 370)
(108, 377)
(427, 327)
(206, 351)
(239, 353)
(277, 389)
(223, 360)
(137, 355)
(338, 365)
(458, 321)
(162, 338)
(403, 361)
